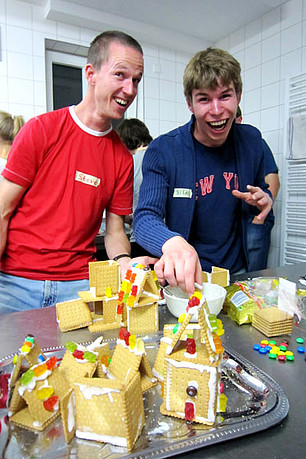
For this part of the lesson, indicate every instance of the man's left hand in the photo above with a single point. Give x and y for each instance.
(256, 197)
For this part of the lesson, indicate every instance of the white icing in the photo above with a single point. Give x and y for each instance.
(89, 391)
(166, 340)
(96, 343)
(152, 295)
(110, 298)
(120, 441)
(190, 356)
(36, 424)
(71, 417)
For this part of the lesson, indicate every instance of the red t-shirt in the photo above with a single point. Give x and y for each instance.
(72, 174)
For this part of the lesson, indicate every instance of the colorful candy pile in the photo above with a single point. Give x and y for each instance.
(278, 352)
(129, 288)
(28, 344)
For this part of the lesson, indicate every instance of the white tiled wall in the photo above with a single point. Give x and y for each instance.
(268, 49)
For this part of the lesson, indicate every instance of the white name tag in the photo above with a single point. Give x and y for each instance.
(87, 179)
(182, 193)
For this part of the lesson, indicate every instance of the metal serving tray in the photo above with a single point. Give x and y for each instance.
(255, 402)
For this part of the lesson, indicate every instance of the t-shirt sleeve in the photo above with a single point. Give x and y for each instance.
(269, 161)
(122, 200)
(26, 154)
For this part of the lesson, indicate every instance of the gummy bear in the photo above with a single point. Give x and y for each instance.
(90, 356)
(70, 346)
(44, 392)
(132, 341)
(182, 317)
(191, 346)
(27, 377)
(108, 292)
(105, 360)
(78, 354)
(120, 308)
(51, 403)
(51, 363)
(40, 369)
(189, 411)
(134, 290)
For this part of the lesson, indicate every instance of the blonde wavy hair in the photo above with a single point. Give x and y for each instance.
(9, 127)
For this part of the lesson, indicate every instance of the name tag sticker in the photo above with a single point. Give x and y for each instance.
(87, 179)
(182, 193)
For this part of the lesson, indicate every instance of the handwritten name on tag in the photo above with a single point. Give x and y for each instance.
(87, 179)
(182, 193)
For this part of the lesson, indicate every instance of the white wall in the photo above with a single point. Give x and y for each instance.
(269, 49)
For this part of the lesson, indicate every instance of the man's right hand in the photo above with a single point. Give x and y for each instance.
(179, 265)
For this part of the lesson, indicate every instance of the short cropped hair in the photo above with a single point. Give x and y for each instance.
(208, 67)
(10, 126)
(134, 133)
(99, 48)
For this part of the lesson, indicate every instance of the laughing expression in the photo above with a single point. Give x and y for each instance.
(214, 111)
(116, 82)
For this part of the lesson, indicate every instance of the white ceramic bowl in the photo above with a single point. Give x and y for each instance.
(177, 300)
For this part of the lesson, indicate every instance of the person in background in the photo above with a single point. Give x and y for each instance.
(203, 180)
(65, 167)
(259, 231)
(9, 127)
(136, 137)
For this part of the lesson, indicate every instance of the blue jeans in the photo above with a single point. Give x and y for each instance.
(20, 294)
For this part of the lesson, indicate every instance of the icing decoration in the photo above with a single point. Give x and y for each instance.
(189, 411)
(192, 391)
(182, 317)
(80, 354)
(175, 329)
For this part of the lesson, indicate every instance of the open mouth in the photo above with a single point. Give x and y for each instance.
(217, 125)
(121, 102)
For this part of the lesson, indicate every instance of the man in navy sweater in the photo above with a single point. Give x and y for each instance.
(203, 180)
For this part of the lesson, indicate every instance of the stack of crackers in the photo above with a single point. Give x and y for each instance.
(272, 321)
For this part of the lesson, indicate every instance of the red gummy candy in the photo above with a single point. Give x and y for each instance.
(189, 411)
(128, 274)
(51, 362)
(120, 308)
(121, 333)
(78, 354)
(221, 387)
(133, 277)
(120, 295)
(191, 346)
(50, 403)
(124, 335)
(134, 290)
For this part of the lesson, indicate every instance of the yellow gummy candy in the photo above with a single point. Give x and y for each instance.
(182, 317)
(25, 349)
(132, 341)
(131, 301)
(44, 392)
(222, 402)
(124, 285)
(15, 359)
(220, 331)
(108, 292)
(139, 265)
(219, 323)
(197, 295)
(140, 345)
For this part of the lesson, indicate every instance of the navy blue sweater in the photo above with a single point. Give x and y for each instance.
(169, 164)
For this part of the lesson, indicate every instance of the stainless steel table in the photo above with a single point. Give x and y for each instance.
(286, 440)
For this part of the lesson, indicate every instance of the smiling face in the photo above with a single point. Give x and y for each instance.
(115, 83)
(214, 111)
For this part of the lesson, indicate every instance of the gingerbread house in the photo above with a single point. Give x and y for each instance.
(188, 365)
(37, 395)
(104, 282)
(139, 296)
(217, 275)
(110, 408)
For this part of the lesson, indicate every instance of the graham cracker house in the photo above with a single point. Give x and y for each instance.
(217, 275)
(139, 297)
(110, 409)
(37, 396)
(188, 365)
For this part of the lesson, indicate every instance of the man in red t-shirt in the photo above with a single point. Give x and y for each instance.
(64, 169)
